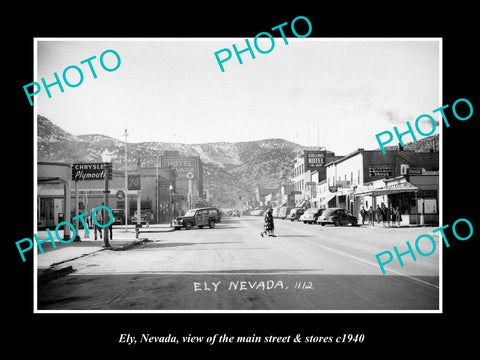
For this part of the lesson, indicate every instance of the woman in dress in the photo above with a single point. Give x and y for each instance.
(268, 223)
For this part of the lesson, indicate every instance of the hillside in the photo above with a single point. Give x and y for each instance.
(231, 170)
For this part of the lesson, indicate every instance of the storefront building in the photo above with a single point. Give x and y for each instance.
(160, 192)
(309, 170)
(415, 196)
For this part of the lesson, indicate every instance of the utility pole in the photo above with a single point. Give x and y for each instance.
(106, 193)
(156, 196)
(126, 182)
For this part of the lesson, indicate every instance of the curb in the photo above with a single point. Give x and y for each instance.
(129, 246)
(53, 273)
(158, 231)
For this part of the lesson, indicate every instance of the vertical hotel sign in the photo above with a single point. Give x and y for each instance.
(314, 159)
(91, 171)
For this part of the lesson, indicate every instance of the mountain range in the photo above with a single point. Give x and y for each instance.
(231, 170)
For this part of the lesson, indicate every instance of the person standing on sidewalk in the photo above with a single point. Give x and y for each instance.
(388, 213)
(378, 214)
(398, 216)
(384, 214)
(99, 219)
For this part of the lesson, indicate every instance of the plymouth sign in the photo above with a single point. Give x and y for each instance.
(91, 171)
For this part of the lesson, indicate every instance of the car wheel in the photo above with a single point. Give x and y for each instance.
(323, 224)
(188, 226)
(211, 224)
(354, 222)
(305, 222)
(336, 222)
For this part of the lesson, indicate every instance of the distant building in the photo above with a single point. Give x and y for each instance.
(188, 174)
(309, 169)
(173, 187)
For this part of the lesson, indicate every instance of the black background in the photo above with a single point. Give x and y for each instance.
(386, 335)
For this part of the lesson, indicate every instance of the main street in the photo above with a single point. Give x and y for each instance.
(306, 267)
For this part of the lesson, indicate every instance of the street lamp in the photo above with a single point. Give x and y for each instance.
(156, 195)
(126, 182)
(171, 190)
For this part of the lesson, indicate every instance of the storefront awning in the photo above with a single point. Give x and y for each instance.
(327, 198)
(48, 179)
(397, 189)
(302, 204)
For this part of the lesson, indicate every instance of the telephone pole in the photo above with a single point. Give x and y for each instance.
(126, 182)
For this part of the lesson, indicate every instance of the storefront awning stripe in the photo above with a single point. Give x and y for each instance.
(387, 191)
(329, 197)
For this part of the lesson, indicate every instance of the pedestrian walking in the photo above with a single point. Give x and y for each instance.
(268, 226)
(398, 216)
(370, 215)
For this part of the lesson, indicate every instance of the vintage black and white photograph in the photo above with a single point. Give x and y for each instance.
(272, 174)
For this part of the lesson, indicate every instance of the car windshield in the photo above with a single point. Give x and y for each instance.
(190, 212)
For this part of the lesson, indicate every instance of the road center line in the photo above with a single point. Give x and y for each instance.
(376, 265)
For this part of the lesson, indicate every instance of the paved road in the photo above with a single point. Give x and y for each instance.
(306, 267)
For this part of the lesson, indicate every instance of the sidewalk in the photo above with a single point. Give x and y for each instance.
(54, 262)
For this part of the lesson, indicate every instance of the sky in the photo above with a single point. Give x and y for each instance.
(336, 93)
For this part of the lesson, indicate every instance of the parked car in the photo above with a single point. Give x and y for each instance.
(145, 215)
(275, 212)
(118, 217)
(295, 214)
(257, 212)
(236, 213)
(198, 217)
(336, 216)
(284, 211)
(311, 215)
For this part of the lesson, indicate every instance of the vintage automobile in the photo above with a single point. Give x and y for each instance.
(145, 216)
(295, 214)
(207, 216)
(311, 215)
(337, 216)
(283, 212)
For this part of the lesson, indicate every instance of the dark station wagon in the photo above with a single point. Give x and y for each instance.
(206, 216)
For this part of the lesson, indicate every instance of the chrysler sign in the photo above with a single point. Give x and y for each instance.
(91, 171)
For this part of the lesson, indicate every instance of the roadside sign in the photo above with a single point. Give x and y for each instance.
(91, 171)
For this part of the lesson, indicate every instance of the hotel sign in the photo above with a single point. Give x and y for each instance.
(185, 167)
(91, 171)
(314, 159)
